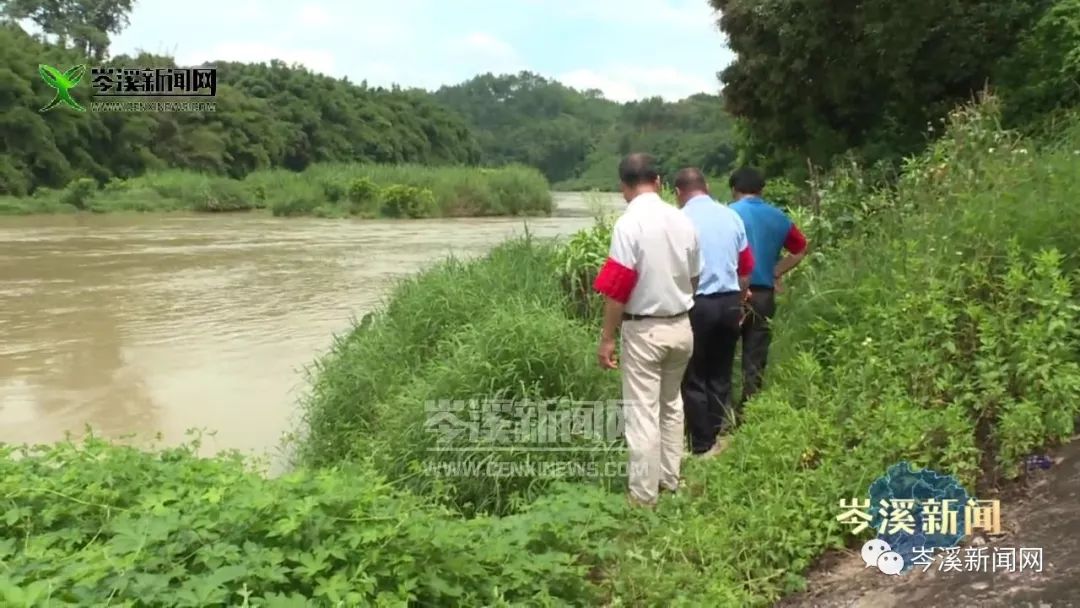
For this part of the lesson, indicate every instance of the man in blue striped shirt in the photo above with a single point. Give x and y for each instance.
(727, 261)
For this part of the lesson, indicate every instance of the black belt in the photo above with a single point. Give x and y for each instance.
(630, 317)
(717, 294)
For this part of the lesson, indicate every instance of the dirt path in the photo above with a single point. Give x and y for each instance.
(1045, 515)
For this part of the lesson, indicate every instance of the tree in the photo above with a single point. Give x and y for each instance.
(86, 24)
(814, 79)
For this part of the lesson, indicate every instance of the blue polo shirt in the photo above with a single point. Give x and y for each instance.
(770, 230)
(721, 236)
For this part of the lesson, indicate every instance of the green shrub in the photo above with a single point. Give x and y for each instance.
(83, 523)
(407, 201)
(333, 191)
(79, 192)
(363, 195)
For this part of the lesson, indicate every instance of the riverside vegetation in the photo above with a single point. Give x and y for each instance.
(937, 322)
(323, 190)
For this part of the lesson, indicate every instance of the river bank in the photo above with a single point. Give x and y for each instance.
(326, 190)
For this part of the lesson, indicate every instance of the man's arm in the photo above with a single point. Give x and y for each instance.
(746, 258)
(616, 282)
(796, 244)
(697, 263)
(613, 312)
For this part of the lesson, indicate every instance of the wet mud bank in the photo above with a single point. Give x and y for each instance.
(1039, 513)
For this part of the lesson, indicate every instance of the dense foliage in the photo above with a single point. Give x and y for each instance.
(87, 524)
(815, 80)
(268, 116)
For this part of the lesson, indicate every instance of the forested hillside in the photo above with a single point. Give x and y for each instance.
(575, 137)
(268, 116)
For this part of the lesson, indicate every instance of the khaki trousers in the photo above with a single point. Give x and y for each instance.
(655, 353)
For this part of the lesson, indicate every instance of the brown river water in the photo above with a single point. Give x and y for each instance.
(144, 324)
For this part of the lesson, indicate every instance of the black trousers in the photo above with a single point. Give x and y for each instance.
(756, 336)
(706, 386)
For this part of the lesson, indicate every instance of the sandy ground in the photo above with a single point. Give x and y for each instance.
(1043, 513)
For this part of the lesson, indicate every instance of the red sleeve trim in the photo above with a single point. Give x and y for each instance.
(616, 281)
(746, 261)
(795, 241)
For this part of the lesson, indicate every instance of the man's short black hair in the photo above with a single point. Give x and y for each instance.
(690, 179)
(747, 180)
(637, 169)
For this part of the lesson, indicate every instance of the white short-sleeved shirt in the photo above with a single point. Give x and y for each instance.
(660, 244)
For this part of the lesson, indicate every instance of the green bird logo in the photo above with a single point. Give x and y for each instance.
(63, 83)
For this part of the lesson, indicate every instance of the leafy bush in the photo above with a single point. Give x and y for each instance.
(363, 195)
(78, 192)
(83, 523)
(407, 201)
(333, 191)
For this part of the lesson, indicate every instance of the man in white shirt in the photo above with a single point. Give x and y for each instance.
(648, 281)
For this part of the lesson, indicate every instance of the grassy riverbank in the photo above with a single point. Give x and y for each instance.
(328, 190)
(935, 322)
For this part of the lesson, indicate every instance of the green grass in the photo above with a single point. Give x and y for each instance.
(937, 322)
(338, 190)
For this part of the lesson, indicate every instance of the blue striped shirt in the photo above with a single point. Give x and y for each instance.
(722, 236)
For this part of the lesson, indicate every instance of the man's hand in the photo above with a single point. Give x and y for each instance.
(605, 354)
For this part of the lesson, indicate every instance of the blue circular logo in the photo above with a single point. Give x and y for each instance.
(934, 515)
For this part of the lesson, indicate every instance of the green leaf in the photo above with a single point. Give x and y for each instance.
(51, 76)
(75, 74)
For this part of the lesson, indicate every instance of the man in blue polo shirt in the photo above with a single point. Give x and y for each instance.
(770, 232)
(727, 262)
